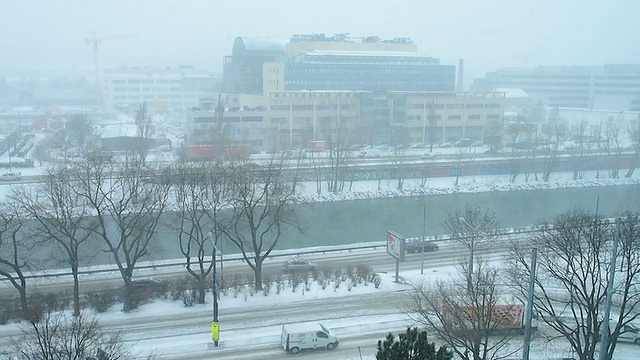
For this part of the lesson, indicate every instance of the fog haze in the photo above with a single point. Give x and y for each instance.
(49, 35)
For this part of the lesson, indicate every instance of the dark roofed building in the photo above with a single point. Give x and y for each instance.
(243, 69)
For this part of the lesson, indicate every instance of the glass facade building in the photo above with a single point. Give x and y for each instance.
(373, 71)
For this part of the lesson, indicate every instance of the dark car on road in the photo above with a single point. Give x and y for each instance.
(297, 264)
(415, 246)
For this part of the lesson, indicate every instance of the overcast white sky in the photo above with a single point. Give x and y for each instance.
(488, 34)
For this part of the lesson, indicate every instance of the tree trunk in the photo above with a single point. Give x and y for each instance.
(127, 297)
(201, 289)
(258, 274)
(76, 290)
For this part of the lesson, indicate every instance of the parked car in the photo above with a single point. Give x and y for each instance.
(298, 264)
(415, 246)
(445, 145)
(463, 142)
(11, 176)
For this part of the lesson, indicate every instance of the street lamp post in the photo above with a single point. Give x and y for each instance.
(424, 228)
(214, 292)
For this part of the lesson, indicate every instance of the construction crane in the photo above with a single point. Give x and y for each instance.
(94, 41)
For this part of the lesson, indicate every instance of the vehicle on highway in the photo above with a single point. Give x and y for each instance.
(146, 283)
(369, 154)
(415, 246)
(297, 263)
(297, 337)
(11, 176)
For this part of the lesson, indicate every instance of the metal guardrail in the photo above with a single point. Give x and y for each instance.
(443, 238)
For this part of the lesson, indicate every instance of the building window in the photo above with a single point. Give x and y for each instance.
(473, 117)
(117, 81)
(455, 106)
(474, 106)
(492, 105)
(454, 117)
(493, 117)
(133, 81)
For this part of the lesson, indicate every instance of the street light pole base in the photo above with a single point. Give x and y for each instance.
(212, 345)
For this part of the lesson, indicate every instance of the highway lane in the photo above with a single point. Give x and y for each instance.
(139, 328)
(378, 259)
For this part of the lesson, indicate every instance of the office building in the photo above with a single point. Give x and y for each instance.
(609, 87)
(170, 88)
(339, 118)
(445, 117)
(340, 62)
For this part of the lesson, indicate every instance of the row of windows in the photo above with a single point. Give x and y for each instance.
(365, 71)
(121, 81)
(234, 119)
(454, 106)
(151, 97)
(310, 107)
(341, 84)
(313, 95)
(124, 89)
(627, 85)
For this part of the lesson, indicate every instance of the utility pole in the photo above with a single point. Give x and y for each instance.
(604, 330)
(529, 315)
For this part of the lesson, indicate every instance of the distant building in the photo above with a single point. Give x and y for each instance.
(340, 62)
(608, 87)
(447, 116)
(337, 117)
(243, 69)
(170, 88)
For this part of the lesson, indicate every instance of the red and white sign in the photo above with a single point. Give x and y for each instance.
(395, 245)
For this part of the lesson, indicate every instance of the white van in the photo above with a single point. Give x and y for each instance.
(296, 337)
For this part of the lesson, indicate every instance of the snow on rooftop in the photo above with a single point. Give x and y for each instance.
(511, 93)
(120, 130)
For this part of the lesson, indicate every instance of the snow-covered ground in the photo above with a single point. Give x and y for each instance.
(269, 335)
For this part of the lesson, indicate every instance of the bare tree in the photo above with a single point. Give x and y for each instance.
(61, 217)
(397, 160)
(339, 155)
(613, 146)
(128, 201)
(14, 249)
(572, 277)
(515, 133)
(471, 227)
(220, 132)
(262, 211)
(469, 314)
(145, 129)
(552, 136)
(433, 125)
(79, 130)
(634, 134)
(201, 192)
(55, 336)
(577, 150)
